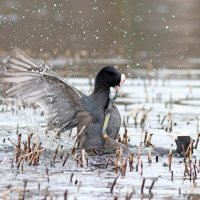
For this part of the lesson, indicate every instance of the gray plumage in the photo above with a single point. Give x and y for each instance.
(65, 106)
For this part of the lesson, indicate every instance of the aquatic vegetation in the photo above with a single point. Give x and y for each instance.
(67, 173)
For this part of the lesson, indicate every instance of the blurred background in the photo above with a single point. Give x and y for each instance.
(134, 34)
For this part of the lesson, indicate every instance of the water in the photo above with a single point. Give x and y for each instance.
(164, 33)
(179, 96)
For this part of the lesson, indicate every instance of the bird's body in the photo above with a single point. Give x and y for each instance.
(65, 106)
(94, 130)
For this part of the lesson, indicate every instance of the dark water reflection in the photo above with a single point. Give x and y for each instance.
(155, 34)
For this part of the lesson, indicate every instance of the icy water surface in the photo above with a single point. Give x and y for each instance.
(180, 97)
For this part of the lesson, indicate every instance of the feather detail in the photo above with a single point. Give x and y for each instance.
(31, 84)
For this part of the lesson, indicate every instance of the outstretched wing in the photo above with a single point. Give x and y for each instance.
(64, 105)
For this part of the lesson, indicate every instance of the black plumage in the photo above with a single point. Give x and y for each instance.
(65, 106)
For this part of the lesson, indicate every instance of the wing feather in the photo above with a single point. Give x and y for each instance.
(30, 83)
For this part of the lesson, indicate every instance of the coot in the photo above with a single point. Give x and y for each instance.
(65, 106)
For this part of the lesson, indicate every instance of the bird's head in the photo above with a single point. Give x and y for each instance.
(109, 77)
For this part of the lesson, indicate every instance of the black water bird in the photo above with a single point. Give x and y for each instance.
(65, 106)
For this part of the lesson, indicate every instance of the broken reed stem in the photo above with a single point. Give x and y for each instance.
(172, 175)
(17, 147)
(189, 150)
(67, 156)
(149, 157)
(144, 117)
(76, 159)
(71, 177)
(24, 191)
(30, 158)
(170, 158)
(170, 123)
(93, 151)
(142, 122)
(77, 137)
(12, 142)
(46, 192)
(25, 153)
(142, 186)
(179, 191)
(197, 142)
(108, 161)
(139, 151)
(151, 187)
(19, 140)
(78, 134)
(19, 161)
(148, 141)
(33, 146)
(114, 183)
(138, 157)
(158, 118)
(25, 147)
(83, 157)
(131, 159)
(164, 118)
(17, 130)
(55, 154)
(119, 138)
(38, 153)
(47, 173)
(117, 160)
(185, 161)
(121, 160)
(12, 162)
(156, 158)
(141, 166)
(135, 118)
(22, 166)
(65, 194)
(190, 171)
(124, 167)
(125, 135)
(145, 138)
(30, 135)
(31, 161)
(195, 171)
(186, 171)
(170, 161)
(61, 152)
(129, 196)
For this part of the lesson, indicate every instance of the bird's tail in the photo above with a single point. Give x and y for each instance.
(18, 74)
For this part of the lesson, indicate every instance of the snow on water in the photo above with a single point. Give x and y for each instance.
(179, 97)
